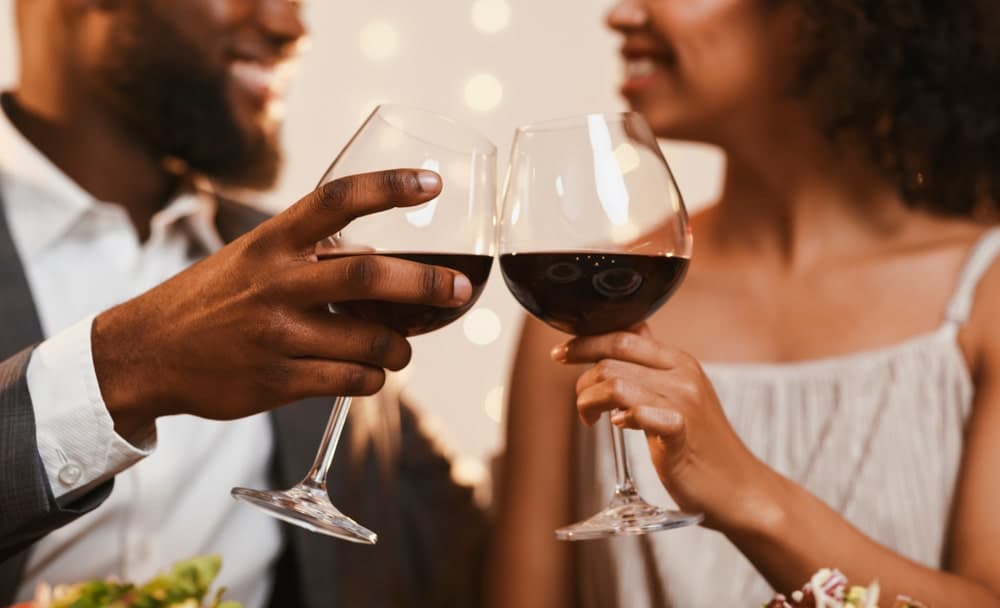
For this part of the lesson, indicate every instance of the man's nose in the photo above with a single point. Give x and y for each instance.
(282, 19)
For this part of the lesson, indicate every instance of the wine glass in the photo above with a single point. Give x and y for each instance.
(454, 230)
(594, 238)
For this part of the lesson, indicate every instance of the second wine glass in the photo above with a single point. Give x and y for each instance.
(454, 230)
(594, 239)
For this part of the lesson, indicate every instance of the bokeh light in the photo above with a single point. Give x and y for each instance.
(483, 92)
(379, 40)
(495, 403)
(482, 326)
(490, 16)
(468, 471)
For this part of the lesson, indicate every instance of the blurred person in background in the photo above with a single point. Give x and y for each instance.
(825, 386)
(125, 113)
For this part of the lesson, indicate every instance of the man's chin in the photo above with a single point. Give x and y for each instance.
(250, 161)
(260, 175)
(256, 164)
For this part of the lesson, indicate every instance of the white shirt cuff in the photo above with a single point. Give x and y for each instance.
(76, 436)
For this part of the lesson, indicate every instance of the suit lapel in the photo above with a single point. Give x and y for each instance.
(21, 329)
(17, 308)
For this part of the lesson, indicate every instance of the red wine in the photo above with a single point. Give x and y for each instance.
(588, 293)
(415, 319)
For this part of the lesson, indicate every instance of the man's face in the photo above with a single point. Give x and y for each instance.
(202, 81)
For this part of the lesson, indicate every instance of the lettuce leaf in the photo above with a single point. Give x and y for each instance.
(186, 584)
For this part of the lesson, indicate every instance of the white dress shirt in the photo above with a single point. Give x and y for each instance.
(171, 499)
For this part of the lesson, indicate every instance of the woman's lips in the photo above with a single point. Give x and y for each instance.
(640, 72)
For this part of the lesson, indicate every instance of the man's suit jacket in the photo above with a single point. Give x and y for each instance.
(431, 534)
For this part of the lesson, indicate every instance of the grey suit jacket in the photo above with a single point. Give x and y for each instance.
(431, 533)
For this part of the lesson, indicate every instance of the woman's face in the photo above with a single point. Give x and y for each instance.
(706, 69)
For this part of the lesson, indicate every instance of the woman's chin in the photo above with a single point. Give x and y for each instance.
(667, 125)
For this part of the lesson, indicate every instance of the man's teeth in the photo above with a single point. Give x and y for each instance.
(255, 74)
(639, 68)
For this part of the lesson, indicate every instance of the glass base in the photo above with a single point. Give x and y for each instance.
(308, 508)
(628, 516)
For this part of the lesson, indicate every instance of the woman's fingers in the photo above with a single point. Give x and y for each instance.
(640, 408)
(612, 394)
(659, 421)
(623, 346)
(656, 380)
(642, 329)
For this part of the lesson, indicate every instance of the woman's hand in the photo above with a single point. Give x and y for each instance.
(649, 386)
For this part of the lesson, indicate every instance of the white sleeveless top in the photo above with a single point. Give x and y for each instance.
(877, 435)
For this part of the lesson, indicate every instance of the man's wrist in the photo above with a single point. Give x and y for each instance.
(78, 443)
(126, 390)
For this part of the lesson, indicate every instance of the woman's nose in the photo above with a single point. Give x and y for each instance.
(627, 15)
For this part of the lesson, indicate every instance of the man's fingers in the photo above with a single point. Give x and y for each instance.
(375, 277)
(334, 205)
(322, 378)
(321, 335)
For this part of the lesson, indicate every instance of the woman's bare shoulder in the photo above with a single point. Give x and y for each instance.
(982, 331)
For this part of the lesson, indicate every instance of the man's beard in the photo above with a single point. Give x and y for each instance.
(169, 97)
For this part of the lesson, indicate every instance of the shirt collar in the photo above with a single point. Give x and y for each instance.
(55, 198)
(58, 203)
(196, 206)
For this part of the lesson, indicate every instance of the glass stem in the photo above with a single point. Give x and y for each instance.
(624, 488)
(328, 446)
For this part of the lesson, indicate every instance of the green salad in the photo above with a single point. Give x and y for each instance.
(185, 586)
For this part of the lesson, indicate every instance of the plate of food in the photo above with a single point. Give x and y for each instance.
(186, 585)
(830, 589)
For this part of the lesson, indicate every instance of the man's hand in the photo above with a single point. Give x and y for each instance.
(247, 329)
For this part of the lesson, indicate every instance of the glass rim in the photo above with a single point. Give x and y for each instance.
(578, 121)
(481, 145)
(595, 250)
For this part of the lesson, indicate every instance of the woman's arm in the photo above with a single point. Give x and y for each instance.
(809, 535)
(973, 566)
(528, 567)
(785, 531)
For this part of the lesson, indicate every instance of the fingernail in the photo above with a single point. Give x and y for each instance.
(461, 289)
(429, 181)
(559, 353)
(618, 418)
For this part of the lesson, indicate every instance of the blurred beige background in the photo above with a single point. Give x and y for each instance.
(493, 64)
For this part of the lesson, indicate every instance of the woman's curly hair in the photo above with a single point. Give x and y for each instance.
(917, 83)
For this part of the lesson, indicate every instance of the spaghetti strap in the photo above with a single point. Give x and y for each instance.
(983, 254)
